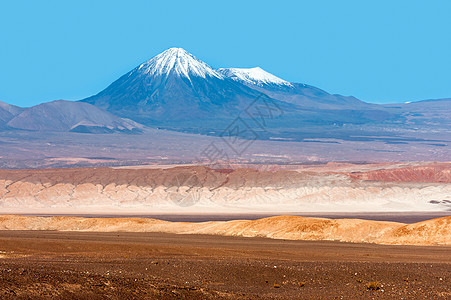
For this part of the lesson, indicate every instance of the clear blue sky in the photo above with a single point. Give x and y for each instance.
(378, 51)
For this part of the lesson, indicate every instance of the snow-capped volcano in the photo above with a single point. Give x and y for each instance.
(177, 90)
(174, 86)
(178, 61)
(256, 76)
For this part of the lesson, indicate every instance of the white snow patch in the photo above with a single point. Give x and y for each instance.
(255, 75)
(179, 61)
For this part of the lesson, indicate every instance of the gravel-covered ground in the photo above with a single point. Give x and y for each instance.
(43, 264)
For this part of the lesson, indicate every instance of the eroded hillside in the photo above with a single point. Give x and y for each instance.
(203, 189)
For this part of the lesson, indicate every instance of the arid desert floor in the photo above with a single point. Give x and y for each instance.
(331, 231)
(119, 265)
(283, 257)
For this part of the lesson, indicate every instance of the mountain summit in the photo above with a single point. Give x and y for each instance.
(174, 86)
(177, 61)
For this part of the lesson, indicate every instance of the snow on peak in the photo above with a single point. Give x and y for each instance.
(256, 76)
(179, 61)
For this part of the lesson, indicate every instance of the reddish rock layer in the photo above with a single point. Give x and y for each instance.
(201, 189)
(440, 172)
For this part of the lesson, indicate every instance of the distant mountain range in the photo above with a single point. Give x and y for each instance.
(71, 116)
(64, 116)
(8, 112)
(176, 91)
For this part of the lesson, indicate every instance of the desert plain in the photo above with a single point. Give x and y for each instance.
(327, 231)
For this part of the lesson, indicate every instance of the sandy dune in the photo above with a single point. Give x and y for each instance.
(201, 189)
(431, 232)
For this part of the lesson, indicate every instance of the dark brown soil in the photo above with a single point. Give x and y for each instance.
(71, 265)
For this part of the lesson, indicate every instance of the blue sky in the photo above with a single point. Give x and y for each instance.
(378, 51)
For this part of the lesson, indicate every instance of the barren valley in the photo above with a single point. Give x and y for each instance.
(385, 231)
